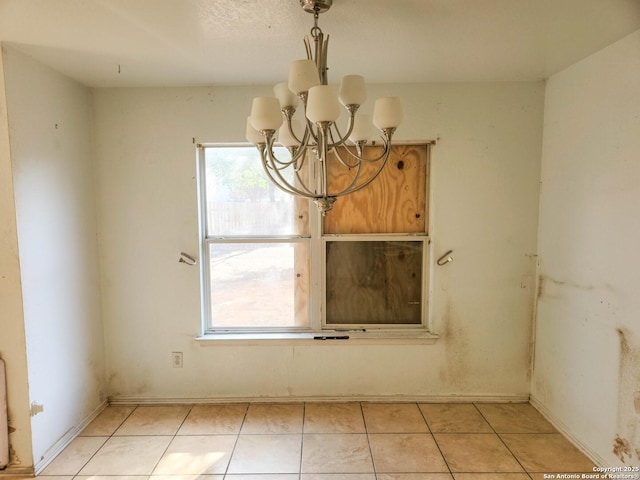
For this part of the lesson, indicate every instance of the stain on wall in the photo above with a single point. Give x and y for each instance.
(626, 444)
(14, 461)
(541, 284)
(454, 336)
(552, 288)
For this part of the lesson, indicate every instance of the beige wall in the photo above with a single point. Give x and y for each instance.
(485, 200)
(587, 363)
(51, 152)
(13, 348)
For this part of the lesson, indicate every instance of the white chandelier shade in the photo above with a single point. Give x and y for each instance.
(316, 136)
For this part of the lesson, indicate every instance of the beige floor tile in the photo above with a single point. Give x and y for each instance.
(108, 421)
(491, 476)
(266, 454)
(476, 453)
(154, 420)
(336, 453)
(46, 477)
(71, 460)
(393, 418)
(182, 477)
(547, 453)
(135, 455)
(333, 418)
(273, 418)
(414, 476)
(406, 453)
(454, 418)
(214, 420)
(197, 454)
(111, 477)
(338, 476)
(292, 476)
(515, 418)
(341, 441)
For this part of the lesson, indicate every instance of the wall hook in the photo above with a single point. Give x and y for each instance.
(188, 259)
(446, 258)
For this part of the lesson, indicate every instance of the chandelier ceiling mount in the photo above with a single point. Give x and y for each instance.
(316, 6)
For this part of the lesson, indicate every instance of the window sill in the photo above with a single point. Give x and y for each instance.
(384, 337)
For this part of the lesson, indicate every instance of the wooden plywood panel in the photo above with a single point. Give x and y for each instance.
(374, 282)
(395, 202)
(301, 284)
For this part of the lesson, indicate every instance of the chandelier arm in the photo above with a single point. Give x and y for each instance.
(297, 169)
(386, 139)
(353, 108)
(357, 166)
(287, 113)
(310, 194)
(338, 155)
(275, 162)
(307, 47)
(310, 132)
(318, 39)
(357, 154)
(323, 130)
(353, 182)
(300, 151)
(269, 139)
(268, 171)
(298, 165)
(321, 47)
(359, 158)
(279, 182)
(323, 62)
(364, 184)
(293, 134)
(374, 176)
(305, 191)
(375, 159)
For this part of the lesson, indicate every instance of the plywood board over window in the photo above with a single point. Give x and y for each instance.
(376, 244)
(395, 202)
(374, 283)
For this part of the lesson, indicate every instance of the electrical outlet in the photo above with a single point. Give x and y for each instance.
(176, 359)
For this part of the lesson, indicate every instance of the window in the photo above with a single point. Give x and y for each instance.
(272, 263)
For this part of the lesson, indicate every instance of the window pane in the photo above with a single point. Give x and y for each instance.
(374, 282)
(259, 284)
(242, 201)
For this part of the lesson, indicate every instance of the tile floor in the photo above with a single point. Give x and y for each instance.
(318, 441)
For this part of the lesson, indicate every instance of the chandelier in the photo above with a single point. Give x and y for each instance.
(272, 122)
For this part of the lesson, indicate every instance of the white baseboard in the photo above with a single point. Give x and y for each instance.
(68, 437)
(125, 400)
(566, 431)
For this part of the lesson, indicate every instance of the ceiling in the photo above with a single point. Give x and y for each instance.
(104, 43)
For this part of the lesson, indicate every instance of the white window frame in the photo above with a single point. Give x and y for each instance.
(318, 326)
